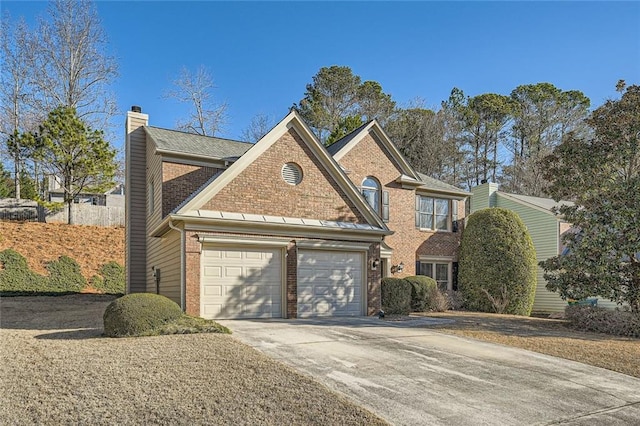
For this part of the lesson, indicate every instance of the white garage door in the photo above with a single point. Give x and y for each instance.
(330, 283)
(241, 282)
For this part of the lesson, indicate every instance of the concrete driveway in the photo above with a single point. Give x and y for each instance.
(411, 375)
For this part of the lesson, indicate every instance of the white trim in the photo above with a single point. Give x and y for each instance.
(435, 258)
(213, 163)
(385, 251)
(332, 245)
(244, 241)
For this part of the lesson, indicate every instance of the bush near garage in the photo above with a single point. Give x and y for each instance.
(497, 266)
(16, 277)
(602, 320)
(420, 291)
(396, 296)
(147, 314)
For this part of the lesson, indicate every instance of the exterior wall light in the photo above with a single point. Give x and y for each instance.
(397, 268)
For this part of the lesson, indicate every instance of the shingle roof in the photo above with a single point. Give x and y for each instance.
(341, 143)
(190, 144)
(438, 185)
(543, 203)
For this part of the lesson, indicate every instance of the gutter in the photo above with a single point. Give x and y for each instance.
(183, 284)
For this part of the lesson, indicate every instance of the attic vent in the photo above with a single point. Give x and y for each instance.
(291, 173)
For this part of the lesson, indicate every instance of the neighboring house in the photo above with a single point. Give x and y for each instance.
(114, 197)
(544, 226)
(283, 227)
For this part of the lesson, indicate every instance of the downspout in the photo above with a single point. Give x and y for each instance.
(183, 286)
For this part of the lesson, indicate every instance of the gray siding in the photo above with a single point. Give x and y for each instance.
(153, 218)
(544, 230)
(135, 208)
(164, 254)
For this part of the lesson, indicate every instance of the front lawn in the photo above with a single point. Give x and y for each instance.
(547, 336)
(57, 368)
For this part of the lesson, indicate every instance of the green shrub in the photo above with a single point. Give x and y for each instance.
(16, 275)
(139, 314)
(497, 267)
(420, 286)
(64, 275)
(396, 296)
(601, 320)
(111, 279)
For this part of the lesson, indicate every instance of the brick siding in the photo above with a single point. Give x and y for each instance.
(368, 158)
(179, 181)
(260, 189)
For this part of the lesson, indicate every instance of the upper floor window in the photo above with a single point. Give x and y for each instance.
(436, 213)
(371, 192)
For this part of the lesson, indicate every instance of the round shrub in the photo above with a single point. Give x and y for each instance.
(396, 296)
(497, 265)
(139, 314)
(420, 288)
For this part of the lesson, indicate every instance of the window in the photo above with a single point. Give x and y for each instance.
(371, 193)
(435, 213)
(439, 271)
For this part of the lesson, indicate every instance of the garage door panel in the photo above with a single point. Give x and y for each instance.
(329, 283)
(241, 283)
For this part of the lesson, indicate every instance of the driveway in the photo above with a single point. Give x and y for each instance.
(410, 375)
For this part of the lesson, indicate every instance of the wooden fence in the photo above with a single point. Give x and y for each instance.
(12, 209)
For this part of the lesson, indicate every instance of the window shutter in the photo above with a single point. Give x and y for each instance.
(385, 206)
(417, 211)
(454, 215)
(418, 271)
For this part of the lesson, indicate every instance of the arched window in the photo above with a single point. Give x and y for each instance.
(371, 192)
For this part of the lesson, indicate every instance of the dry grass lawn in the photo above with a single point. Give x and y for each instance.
(56, 368)
(547, 336)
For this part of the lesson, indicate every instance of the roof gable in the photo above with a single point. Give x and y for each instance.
(290, 128)
(346, 144)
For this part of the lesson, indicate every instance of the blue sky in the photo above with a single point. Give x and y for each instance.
(263, 54)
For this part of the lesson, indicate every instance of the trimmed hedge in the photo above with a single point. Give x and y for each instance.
(396, 296)
(64, 275)
(420, 290)
(601, 320)
(16, 276)
(139, 314)
(497, 261)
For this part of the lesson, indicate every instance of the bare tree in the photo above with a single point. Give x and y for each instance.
(260, 125)
(16, 116)
(71, 67)
(206, 117)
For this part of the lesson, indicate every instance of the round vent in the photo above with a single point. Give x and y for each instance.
(291, 173)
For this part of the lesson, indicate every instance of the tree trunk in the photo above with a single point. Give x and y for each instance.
(69, 203)
(17, 176)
